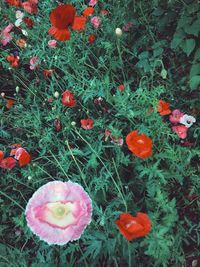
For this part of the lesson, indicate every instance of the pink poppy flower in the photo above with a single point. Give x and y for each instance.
(5, 36)
(52, 43)
(92, 2)
(34, 63)
(175, 116)
(96, 21)
(59, 212)
(30, 6)
(180, 130)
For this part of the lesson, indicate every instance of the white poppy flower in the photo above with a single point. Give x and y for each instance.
(187, 120)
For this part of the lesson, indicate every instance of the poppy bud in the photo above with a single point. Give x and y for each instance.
(17, 89)
(56, 94)
(118, 32)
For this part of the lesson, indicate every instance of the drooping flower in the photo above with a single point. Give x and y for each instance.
(139, 144)
(134, 227)
(61, 18)
(175, 116)
(92, 2)
(96, 21)
(58, 212)
(187, 120)
(180, 130)
(91, 38)
(163, 108)
(52, 43)
(58, 125)
(68, 99)
(88, 11)
(30, 6)
(87, 124)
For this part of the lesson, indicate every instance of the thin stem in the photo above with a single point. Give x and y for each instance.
(5, 195)
(59, 165)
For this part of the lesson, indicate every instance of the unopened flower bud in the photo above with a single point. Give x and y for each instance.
(118, 32)
(3, 95)
(56, 94)
(73, 123)
(29, 178)
(17, 89)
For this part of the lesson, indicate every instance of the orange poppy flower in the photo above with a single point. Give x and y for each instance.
(133, 227)
(10, 103)
(163, 108)
(61, 18)
(88, 11)
(139, 144)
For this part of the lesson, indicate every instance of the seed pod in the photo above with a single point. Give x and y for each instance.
(57, 125)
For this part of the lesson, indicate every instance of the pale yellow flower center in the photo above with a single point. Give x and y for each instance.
(59, 210)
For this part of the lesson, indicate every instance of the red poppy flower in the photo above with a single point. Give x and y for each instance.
(16, 3)
(13, 60)
(23, 156)
(121, 87)
(48, 73)
(163, 108)
(139, 144)
(91, 38)
(10, 103)
(87, 124)
(133, 227)
(7, 163)
(61, 18)
(29, 22)
(104, 12)
(88, 11)
(68, 99)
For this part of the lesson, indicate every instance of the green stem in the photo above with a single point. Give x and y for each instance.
(5, 195)
(59, 165)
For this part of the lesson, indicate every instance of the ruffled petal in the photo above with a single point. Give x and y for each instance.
(79, 23)
(61, 35)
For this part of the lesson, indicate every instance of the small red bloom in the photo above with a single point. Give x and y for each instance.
(87, 124)
(134, 227)
(91, 38)
(121, 87)
(68, 99)
(13, 60)
(139, 144)
(23, 156)
(1, 155)
(29, 22)
(8, 163)
(10, 103)
(48, 73)
(88, 11)
(61, 18)
(104, 12)
(163, 108)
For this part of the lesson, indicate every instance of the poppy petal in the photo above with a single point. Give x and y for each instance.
(1, 155)
(88, 11)
(8, 163)
(23, 156)
(62, 16)
(79, 23)
(61, 35)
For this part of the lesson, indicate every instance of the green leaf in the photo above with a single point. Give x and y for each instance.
(195, 69)
(188, 46)
(194, 82)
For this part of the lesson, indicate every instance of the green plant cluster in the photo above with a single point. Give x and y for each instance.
(158, 58)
